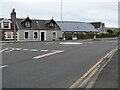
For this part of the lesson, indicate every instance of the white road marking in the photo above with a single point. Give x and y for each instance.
(25, 49)
(44, 50)
(17, 48)
(49, 42)
(3, 66)
(4, 49)
(10, 50)
(70, 43)
(57, 50)
(34, 50)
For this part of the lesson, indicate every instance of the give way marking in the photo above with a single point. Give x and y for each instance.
(48, 54)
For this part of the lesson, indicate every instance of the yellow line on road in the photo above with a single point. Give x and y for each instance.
(88, 74)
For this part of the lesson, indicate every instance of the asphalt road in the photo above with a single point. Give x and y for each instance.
(108, 78)
(59, 70)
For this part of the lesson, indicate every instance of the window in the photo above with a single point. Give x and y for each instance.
(27, 24)
(9, 35)
(26, 35)
(51, 25)
(5, 24)
(35, 35)
(54, 35)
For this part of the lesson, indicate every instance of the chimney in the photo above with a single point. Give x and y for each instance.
(13, 15)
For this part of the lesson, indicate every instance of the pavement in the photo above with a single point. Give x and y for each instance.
(108, 77)
(50, 64)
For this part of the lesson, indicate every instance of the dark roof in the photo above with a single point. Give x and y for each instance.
(36, 24)
(96, 24)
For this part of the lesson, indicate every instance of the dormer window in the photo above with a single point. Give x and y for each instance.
(27, 24)
(52, 25)
(6, 24)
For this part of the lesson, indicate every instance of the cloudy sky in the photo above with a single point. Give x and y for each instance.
(76, 10)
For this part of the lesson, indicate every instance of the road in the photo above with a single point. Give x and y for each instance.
(50, 64)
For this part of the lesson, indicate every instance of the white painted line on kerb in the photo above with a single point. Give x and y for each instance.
(48, 54)
(44, 50)
(3, 66)
(33, 50)
(4, 49)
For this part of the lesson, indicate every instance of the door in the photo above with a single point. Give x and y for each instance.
(42, 36)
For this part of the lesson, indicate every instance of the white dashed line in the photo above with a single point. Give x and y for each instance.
(4, 49)
(25, 49)
(10, 50)
(34, 50)
(57, 50)
(68, 43)
(3, 66)
(17, 48)
(44, 50)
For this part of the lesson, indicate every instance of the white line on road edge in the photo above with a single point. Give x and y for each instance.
(3, 66)
(4, 49)
(80, 83)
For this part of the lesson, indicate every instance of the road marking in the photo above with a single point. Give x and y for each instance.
(25, 49)
(44, 50)
(87, 76)
(70, 43)
(49, 42)
(17, 48)
(57, 50)
(4, 49)
(3, 66)
(48, 54)
(34, 50)
(10, 50)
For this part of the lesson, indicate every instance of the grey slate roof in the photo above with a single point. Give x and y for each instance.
(76, 26)
(35, 25)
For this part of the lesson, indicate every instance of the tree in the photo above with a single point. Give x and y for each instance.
(110, 31)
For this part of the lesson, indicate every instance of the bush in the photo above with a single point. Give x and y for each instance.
(82, 36)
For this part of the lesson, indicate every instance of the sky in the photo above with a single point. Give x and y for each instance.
(105, 11)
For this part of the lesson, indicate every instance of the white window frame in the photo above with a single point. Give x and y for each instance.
(52, 34)
(6, 35)
(6, 21)
(37, 35)
(28, 35)
(44, 34)
(27, 24)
